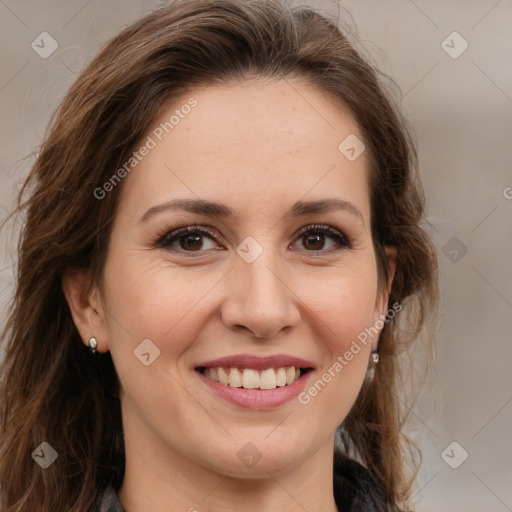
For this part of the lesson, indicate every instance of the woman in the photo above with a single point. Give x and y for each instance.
(220, 263)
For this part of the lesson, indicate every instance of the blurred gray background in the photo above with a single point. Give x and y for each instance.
(453, 63)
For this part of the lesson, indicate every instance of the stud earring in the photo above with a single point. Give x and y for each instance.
(375, 357)
(92, 344)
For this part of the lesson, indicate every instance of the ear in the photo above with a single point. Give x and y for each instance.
(86, 309)
(381, 303)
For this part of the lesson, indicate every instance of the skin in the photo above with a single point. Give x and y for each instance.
(258, 149)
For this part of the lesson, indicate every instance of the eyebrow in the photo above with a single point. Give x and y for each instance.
(221, 210)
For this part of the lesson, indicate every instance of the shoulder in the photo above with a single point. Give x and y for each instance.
(109, 502)
(356, 489)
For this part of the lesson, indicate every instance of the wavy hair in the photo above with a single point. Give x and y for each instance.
(53, 389)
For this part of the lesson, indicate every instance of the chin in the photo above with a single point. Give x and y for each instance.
(255, 460)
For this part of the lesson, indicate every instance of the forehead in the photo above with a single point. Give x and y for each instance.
(254, 144)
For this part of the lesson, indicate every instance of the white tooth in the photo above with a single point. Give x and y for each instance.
(250, 379)
(214, 375)
(281, 377)
(223, 376)
(290, 375)
(268, 379)
(235, 378)
(206, 372)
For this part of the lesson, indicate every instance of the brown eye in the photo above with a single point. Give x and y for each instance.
(314, 238)
(191, 242)
(314, 241)
(188, 239)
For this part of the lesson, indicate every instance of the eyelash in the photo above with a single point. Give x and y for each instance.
(169, 237)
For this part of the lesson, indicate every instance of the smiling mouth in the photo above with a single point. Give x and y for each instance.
(249, 378)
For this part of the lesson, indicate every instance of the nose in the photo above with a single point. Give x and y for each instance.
(259, 298)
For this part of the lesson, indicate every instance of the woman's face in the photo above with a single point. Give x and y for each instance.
(253, 287)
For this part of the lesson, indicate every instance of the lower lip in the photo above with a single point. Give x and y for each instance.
(257, 398)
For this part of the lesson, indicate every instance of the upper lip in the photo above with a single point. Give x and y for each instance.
(256, 362)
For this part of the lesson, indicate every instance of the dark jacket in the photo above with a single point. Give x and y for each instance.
(355, 490)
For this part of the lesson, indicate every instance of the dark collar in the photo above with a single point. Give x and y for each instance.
(355, 487)
(110, 502)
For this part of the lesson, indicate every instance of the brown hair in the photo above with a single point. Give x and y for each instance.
(53, 389)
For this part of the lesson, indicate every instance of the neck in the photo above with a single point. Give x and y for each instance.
(160, 479)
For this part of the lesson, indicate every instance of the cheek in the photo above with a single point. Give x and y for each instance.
(150, 299)
(153, 299)
(342, 310)
(343, 313)
(344, 305)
